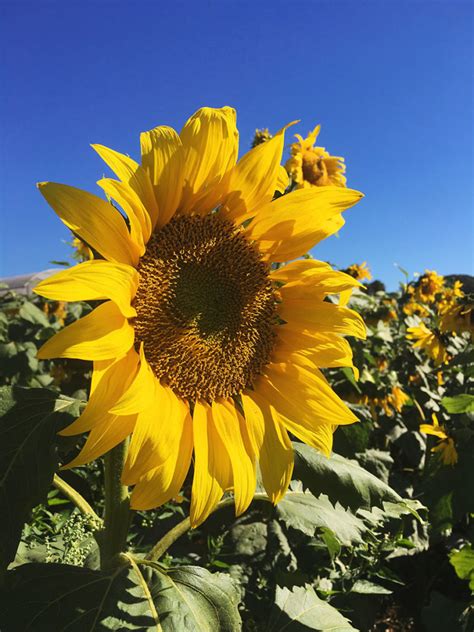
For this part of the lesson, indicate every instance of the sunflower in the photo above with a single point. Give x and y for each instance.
(311, 166)
(457, 318)
(204, 343)
(445, 448)
(429, 340)
(359, 271)
(428, 286)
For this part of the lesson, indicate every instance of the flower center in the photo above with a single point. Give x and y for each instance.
(205, 307)
(314, 168)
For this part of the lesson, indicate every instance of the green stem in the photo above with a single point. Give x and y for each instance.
(182, 527)
(117, 506)
(75, 497)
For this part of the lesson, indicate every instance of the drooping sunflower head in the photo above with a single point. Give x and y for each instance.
(312, 166)
(205, 345)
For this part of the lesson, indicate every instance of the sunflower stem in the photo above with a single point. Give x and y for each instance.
(113, 538)
(182, 527)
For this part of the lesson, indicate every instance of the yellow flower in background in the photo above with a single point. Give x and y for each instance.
(360, 271)
(398, 398)
(201, 345)
(311, 166)
(82, 250)
(413, 308)
(429, 341)
(450, 296)
(456, 319)
(428, 286)
(445, 447)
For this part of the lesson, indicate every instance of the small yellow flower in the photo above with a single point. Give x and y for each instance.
(445, 447)
(398, 398)
(413, 308)
(359, 271)
(430, 341)
(311, 166)
(428, 286)
(82, 250)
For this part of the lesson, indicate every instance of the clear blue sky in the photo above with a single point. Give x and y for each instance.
(390, 82)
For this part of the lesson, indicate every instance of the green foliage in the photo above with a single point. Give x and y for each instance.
(463, 562)
(463, 403)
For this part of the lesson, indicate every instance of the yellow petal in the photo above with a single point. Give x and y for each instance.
(212, 466)
(140, 394)
(432, 430)
(291, 225)
(157, 435)
(210, 146)
(322, 317)
(163, 160)
(318, 279)
(128, 200)
(283, 180)
(103, 437)
(103, 334)
(254, 179)
(316, 404)
(94, 220)
(271, 444)
(132, 174)
(165, 481)
(110, 383)
(295, 270)
(228, 423)
(320, 350)
(91, 281)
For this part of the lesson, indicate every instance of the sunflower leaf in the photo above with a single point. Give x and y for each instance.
(301, 609)
(131, 597)
(303, 511)
(29, 421)
(343, 480)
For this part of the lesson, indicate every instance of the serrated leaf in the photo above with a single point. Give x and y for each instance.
(463, 403)
(342, 480)
(301, 609)
(305, 512)
(59, 597)
(29, 421)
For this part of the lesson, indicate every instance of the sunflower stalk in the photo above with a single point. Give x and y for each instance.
(113, 537)
(182, 527)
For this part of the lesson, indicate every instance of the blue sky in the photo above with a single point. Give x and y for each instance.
(390, 83)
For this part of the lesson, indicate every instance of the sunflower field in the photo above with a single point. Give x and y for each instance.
(205, 428)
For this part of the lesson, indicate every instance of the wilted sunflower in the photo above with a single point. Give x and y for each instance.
(311, 166)
(202, 344)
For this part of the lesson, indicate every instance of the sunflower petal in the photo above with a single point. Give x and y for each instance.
(291, 225)
(103, 334)
(128, 200)
(212, 465)
(92, 281)
(165, 481)
(320, 350)
(322, 317)
(108, 385)
(140, 394)
(157, 435)
(103, 437)
(228, 423)
(94, 220)
(133, 174)
(162, 159)
(271, 444)
(254, 179)
(210, 146)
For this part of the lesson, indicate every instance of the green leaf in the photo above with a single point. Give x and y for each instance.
(342, 480)
(29, 421)
(463, 403)
(301, 609)
(463, 562)
(301, 510)
(364, 587)
(31, 313)
(46, 597)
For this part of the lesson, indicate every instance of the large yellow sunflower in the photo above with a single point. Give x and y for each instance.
(202, 344)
